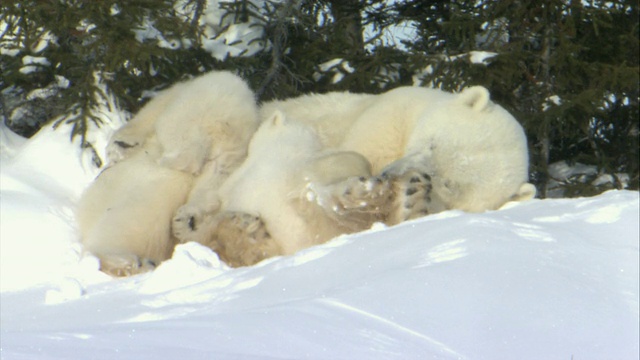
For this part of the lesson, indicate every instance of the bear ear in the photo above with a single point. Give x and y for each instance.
(476, 97)
(277, 118)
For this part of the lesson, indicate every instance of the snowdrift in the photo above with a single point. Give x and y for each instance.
(552, 279)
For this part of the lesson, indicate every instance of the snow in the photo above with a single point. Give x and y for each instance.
(474, 57)
(553, 100)
(50, 90)
(10, 142)
(338, 68)
(147, 31)
(223, 37)
(545, 279)
(39, 60)
(481, 57)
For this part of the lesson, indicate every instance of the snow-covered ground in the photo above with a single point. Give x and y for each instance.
(552, 279)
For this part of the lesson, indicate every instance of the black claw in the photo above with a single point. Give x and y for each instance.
(123, 144)
(414, 179)
(411, 191)
(426, 176)
(192, 223)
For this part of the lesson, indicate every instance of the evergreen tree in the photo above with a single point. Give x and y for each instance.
(567, 69)
(55, 54)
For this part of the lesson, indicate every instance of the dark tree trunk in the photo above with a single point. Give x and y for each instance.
(348, 19)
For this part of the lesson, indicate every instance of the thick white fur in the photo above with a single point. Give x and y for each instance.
(124, 217)
(474, 150)
(178, 149)
(194, 121)
(292, 183)
(203, 127)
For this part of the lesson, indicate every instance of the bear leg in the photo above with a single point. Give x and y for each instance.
(242, 239)
(192, 223)
(193, 220)
(121, 265)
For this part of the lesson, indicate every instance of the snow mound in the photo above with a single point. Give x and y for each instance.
(545, 279)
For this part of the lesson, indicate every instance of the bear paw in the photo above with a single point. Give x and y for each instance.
(362, 194)
(189, 224)
(242, 239)
(242, 225)
(413, 197)
(121, 265)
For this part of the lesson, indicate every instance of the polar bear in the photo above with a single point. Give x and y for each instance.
(463, 148)
(177, 150)
(290, 194)
(203, 127)
(186, 119)
(124, 216)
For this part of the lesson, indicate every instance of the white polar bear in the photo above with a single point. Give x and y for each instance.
(178, 149)
(194, 121)
(290, 194)
(203, 127)
(469, 151)
(124, 216)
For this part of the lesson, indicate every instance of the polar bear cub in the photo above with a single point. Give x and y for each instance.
(203, 127)
(124, 216)
(290, 194)
(475, 149)
(178, 149)
(194, 121)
